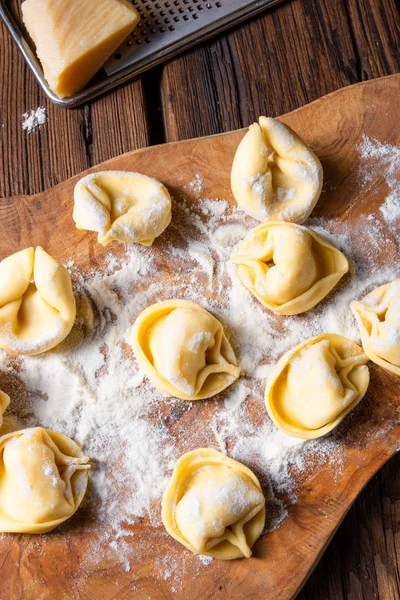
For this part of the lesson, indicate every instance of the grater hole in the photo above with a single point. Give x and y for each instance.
(159, 17)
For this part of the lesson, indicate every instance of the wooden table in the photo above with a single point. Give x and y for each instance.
(271, 65)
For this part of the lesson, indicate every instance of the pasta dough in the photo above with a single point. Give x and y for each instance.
(123, 206)
(37, 304)
(275, 176)
(378, 318)
(4, 402)
(43, 479)
(287, 267)
(213, 505)
(183, 349)
(315, 385)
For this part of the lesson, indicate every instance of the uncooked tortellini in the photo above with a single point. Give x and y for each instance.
(214, 505)
(37, 305)
(183, 349)
(313, 386)
(123, 206)
(4, 402)
(275, 176)
(43, 478)
(378, 317)
(287, 267)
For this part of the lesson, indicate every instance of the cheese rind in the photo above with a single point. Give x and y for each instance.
(73, 39)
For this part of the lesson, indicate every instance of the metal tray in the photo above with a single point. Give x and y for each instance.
(166, 28)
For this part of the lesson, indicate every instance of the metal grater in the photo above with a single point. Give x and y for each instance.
(166, 28)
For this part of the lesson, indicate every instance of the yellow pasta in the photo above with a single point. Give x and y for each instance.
(275, 176)
(288, 268)
(316, 384)
(123, 206)
(37, 304)
(214, 505)
(43, 479)
(183, 349)
(378, 318)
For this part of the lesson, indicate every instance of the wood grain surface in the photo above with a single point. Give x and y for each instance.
(273, 64)
(283, 559)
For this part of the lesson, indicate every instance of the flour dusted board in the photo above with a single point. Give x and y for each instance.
(52, 566)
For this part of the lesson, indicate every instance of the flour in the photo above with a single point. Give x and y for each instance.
(205, 560)
(383, 159)
(34, 119)
(196, 185)
(91, 388)
(237, 494)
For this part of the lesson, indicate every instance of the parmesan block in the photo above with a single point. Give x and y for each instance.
(74, 38)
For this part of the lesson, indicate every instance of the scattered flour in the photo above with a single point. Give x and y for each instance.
(383, 159)
(91, 388)
(34, 119)
(197, 184)
(205, 560)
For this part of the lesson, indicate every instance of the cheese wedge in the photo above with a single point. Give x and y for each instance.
(74, 38)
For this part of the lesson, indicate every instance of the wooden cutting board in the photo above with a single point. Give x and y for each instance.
(48, 567)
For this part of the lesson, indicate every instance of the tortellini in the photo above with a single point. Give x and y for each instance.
(287, 267)
(4, 402)
(313, 386)
(275, 176)
(378, 318)
(214, 505)
(43, 479)
(37, 304)
(123, 206)
(183, 349)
